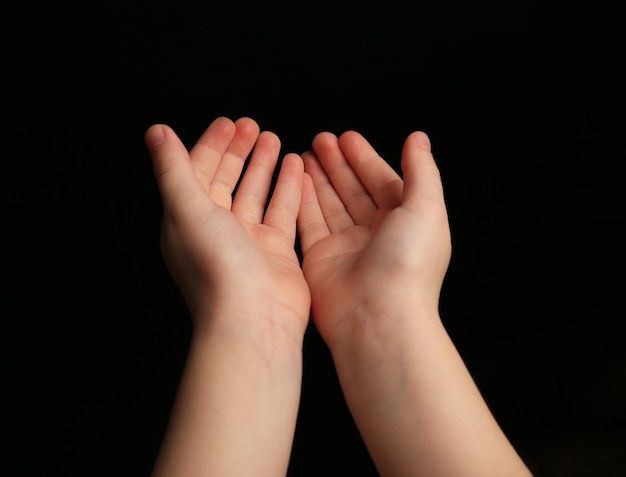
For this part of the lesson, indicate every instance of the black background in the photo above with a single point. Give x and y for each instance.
(524, 109)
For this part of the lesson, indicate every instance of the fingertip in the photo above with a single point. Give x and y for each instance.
(248, 125)
(222, 120)
(296, 159)
(349, 134)
(323, 137)
(271, 137)
(154, 136)
(293, 168)
(422, 140)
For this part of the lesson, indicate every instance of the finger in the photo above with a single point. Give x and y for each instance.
(422, 179)
(251, 197)
(175, 177)
(347, 184)
(311, 224)
(207, 153)
(229, 170)
(379, 179)
(335, 214)
(282, 210)
(223, 171)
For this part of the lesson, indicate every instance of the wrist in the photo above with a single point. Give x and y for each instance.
(237, 403)
(255, 330)
(374, 339)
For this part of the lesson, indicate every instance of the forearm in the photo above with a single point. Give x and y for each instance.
(415, 403)
(236, 407)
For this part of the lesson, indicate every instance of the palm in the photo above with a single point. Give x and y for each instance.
(360, 227)
(278, 257)
(347, 267)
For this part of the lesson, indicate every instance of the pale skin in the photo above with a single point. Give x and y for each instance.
(376, 247)
(238, 272)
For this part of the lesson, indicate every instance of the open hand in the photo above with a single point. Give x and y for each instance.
(223, 246)
(369, 238)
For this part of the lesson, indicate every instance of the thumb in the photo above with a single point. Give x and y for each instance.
(422, 180)
(171, 165)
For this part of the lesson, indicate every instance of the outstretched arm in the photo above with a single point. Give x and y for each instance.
(376, 249)
(235, 264)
